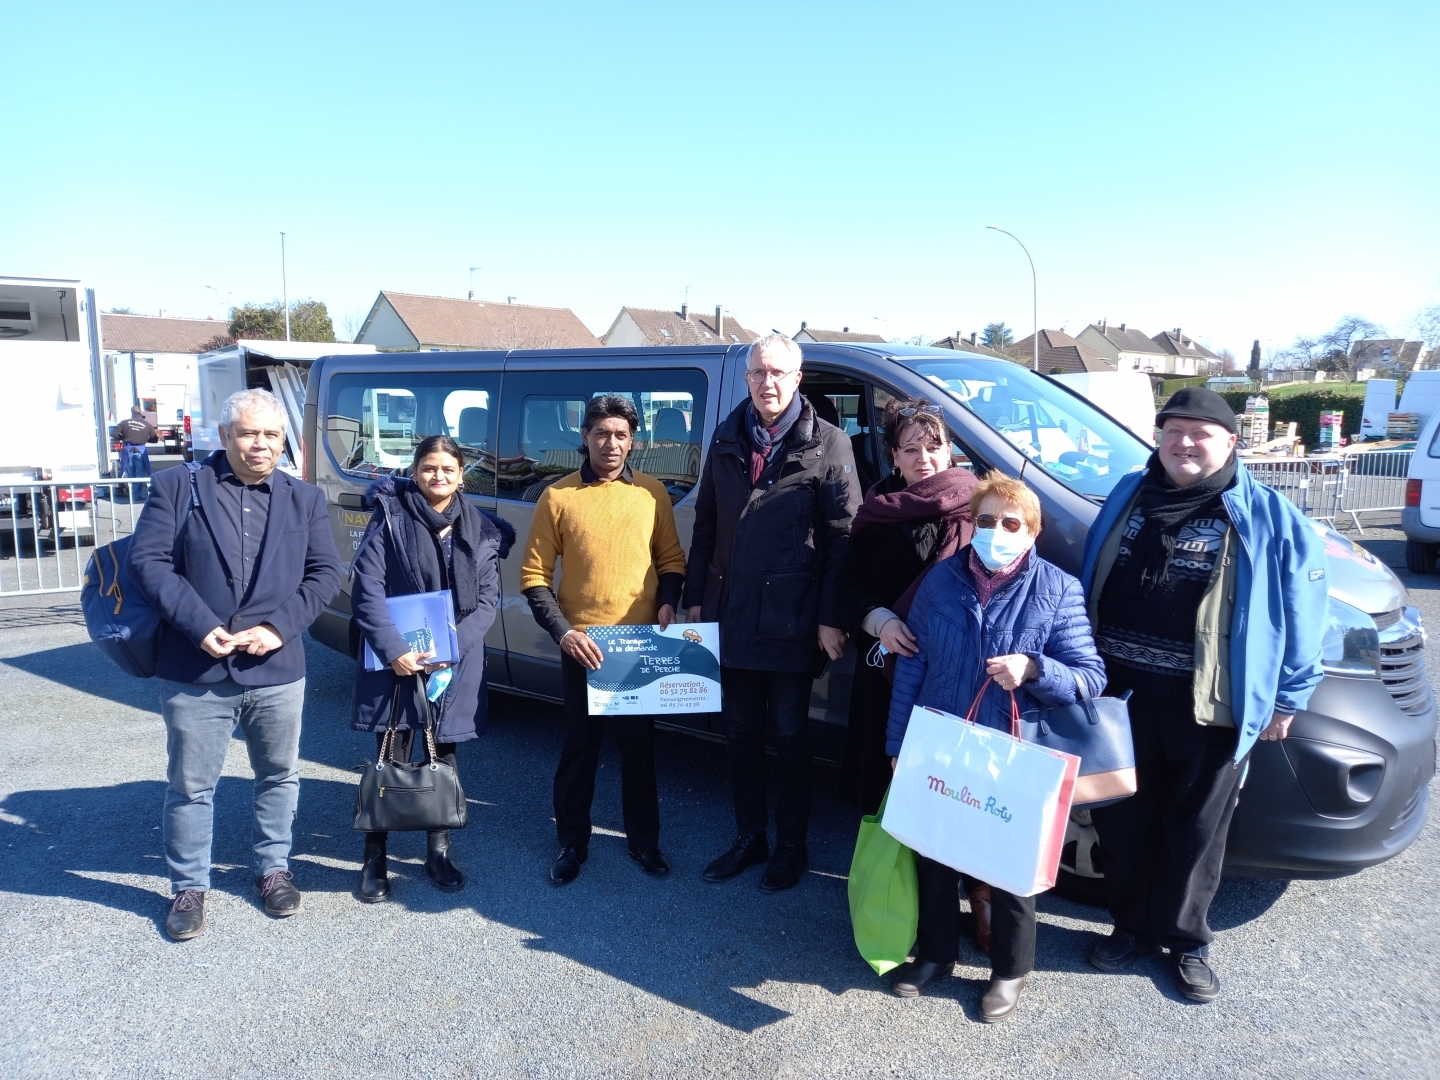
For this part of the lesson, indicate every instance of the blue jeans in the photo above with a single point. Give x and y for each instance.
(200, 718)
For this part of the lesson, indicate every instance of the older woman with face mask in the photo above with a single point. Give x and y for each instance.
(997, 611)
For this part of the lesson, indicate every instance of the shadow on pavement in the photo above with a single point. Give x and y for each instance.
(715, 949)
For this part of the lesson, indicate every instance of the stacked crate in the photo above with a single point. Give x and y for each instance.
(1255, 420)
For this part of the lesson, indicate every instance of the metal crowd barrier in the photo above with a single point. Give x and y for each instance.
(1312, 484)
(1374, 480)
(1326, 487)
(48, 530)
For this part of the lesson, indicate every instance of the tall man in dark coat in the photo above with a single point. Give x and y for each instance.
(772, 521)
(237, 579)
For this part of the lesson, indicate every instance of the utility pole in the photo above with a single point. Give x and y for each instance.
(472, 281)
(1034, 295)
(284, 287)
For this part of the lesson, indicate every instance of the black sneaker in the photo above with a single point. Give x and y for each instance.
(787, 867)
(1194, 977)
(746, 851)
(281, 898)
(1119, 951)
(187, 916)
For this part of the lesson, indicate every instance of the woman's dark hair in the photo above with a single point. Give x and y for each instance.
(611, 407)
(436, 444)
(900, 413)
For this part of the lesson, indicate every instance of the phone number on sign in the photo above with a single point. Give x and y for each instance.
(685, 689)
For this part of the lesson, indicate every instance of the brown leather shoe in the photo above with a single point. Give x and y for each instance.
(980, 908)
(1000, 999)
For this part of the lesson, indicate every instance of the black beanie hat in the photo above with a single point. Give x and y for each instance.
(1198, 403)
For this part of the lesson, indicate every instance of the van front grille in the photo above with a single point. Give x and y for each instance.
(1402, 669)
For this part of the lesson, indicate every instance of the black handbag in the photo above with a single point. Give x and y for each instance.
(396, 796)
(1097, 731)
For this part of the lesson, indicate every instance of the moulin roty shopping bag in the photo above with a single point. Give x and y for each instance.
(884, 896)
(981, 801)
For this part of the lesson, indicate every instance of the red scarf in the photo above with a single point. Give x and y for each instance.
(946, 496)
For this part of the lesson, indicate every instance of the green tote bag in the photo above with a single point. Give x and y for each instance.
(884, 897)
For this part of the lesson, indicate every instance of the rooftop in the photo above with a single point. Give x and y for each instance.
(152, 334)
(477, 324)
(1059, 350)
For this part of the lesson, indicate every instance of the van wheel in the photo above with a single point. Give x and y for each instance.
(1420, 557)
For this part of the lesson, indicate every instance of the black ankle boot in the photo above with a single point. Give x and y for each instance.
(374, 871)
(444, 873)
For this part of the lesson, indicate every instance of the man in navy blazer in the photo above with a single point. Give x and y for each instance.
(237, 578)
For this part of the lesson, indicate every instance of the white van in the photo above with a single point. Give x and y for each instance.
(1420, 519)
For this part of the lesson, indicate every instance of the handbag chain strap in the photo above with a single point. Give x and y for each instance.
(1014, 708)
(387, 745)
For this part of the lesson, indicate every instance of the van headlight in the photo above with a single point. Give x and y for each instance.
(1352, 643)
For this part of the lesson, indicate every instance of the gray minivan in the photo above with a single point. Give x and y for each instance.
(1348, 789)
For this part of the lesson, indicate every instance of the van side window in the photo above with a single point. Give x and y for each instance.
(540, 438)
(373, 421)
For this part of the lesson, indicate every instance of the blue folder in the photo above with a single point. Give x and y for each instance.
(426, 621)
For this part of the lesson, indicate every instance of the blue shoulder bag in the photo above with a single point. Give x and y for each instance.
(119, 618)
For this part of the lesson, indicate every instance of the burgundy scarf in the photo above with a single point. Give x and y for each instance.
(946, 496)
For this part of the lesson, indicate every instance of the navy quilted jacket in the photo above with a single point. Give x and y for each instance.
(1041, 613)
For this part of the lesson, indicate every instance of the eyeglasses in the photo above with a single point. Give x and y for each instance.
(916, 410)
(988, 521)
(760, 376)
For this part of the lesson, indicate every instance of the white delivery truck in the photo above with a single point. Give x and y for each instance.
(1379, 404)
(51, 432)
(278, 366)
(1126, 395)
(164, 384)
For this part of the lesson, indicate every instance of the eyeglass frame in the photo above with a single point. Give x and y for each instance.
(1011, 524)
(767, 375)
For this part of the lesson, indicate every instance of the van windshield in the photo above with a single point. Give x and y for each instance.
(1064, 434)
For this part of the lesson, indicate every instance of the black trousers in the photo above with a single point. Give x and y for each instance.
(779, 700)
(1162, 848)
(400, 751)
(1012, 922)
(580, 757)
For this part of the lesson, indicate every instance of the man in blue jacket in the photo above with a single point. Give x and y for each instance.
(1208, 597)
(237, 578)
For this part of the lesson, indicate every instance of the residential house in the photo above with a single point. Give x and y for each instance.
(1060, 354)
(635, 327)
(968, 344)
(1127, 348)
(1187, 355)
(808, 333)
(407, 322)
(1396, 354)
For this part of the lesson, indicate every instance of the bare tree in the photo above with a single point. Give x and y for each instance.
(1227, 362)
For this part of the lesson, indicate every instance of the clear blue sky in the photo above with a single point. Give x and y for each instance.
(1241, 170)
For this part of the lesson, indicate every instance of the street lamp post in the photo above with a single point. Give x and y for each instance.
(284, 287)
(222, 292)
(883, 322)
(1034, 295)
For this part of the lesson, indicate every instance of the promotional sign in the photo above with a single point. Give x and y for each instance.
(649, 670)
(980, 801)
(426, 621)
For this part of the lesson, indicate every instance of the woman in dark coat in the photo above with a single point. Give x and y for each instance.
(909, 521)
(424, 537)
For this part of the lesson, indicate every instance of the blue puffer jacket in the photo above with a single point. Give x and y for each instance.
(1040, 613)
(1281, 598)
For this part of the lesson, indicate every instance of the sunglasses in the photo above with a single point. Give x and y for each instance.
(989, 521)
(916, 410)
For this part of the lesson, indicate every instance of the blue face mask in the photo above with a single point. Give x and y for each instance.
(998, 548)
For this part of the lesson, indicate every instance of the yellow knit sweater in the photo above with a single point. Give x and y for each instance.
(614, 538)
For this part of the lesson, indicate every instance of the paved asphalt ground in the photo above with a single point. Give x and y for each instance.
(618, 974)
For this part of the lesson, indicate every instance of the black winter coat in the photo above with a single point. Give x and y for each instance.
(881, 563)
(381, 569)
(764, 557)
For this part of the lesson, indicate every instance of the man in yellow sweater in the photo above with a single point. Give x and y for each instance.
(614, 530)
